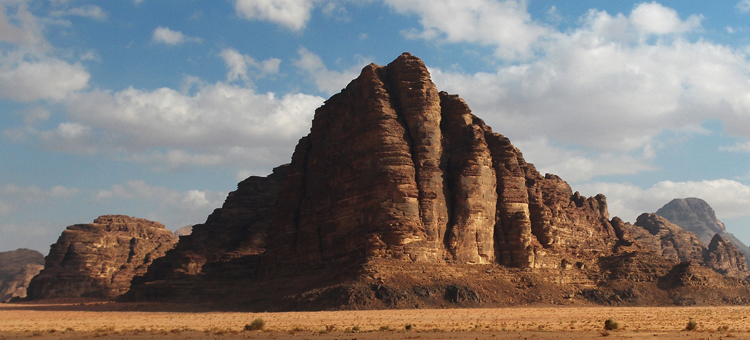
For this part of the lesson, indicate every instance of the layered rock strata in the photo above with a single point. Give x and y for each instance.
(229, 243)
(695, 215)
(17, 267)
(99, 259)
(400, 197)
(671, 242)
(394, 169)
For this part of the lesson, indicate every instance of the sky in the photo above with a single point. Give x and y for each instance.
(157, 108)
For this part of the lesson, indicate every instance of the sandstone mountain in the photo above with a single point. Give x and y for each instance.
(677, 244)
(695, 215)
(401, 197)
(17, 267)
(99, 260)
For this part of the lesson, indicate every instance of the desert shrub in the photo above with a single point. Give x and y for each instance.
(611, 324)
(692, 325)
(385, 328)
(409, 327)
(256, 325)
(723, 328)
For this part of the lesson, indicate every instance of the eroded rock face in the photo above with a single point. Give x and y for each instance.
(394, 169)
(723, 257)
(99, 260)
(238, 229)
(655, 233)
(676, 243)
(17, 267)
(401, 197)
(695, 215)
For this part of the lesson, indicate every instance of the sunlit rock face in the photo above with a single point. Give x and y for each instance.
(99, 259)
(393, 168)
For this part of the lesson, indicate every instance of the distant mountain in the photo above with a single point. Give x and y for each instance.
(695, 215)
(184, 231)
(17, 267)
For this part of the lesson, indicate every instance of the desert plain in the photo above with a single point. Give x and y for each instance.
(164, 321)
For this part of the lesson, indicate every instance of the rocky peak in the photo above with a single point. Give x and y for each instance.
(695, 215)
(100, 259)
(401, 196)
(676, 243)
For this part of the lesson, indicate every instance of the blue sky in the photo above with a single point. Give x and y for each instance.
(157, 108)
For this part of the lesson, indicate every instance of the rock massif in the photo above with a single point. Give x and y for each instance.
(696, 216)
(99, 260)
(679, 245)
(17, 267)
(401, 197)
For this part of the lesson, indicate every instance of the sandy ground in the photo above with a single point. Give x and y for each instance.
(138, 321)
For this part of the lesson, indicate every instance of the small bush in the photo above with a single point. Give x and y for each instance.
(409, 327)
(256, 325)
(691, 326)
(611, 325)
(385, 328)
(723, 328)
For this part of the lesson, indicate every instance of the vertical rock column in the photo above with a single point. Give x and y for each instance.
(418, 103)
(473, 186)
(514, 239)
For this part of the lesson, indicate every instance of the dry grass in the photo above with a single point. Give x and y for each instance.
(36, 320)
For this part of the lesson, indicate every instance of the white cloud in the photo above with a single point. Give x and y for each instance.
(218, 124)
(327, 81)
(87, 11)
(293, 14)
(240, 65)
(28, 71)
(48, 78)
(507, 25)
(171, 207)
(653, 18)
(14, 198)
(743, 6)
(602, 88)
(576, 165)
(728, 198)
(164, 35)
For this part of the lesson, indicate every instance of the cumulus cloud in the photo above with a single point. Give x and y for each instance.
(14, 198)
(327, 81)
(506, 25)
(577, 165)
(293, 14)
(28, 70)
(218, 124)
(743, 6)
(244, 66)
(164, 35)
(653, 18)
(603, 75)
(728, 198)
(46, 78)
(171, 207)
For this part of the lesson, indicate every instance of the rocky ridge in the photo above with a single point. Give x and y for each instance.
(17, 267)
(696, 216)
(399, 198)
(99, 260)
